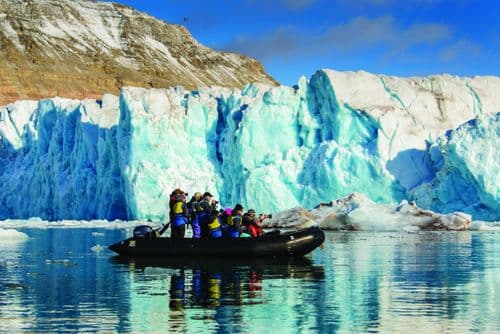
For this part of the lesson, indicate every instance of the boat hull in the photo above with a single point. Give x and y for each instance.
(297, 243)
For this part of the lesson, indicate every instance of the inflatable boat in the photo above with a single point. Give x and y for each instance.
(277, 244)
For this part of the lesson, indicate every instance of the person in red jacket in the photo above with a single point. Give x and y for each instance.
(255, 225)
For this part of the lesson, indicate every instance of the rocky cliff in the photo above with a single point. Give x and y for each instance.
(81, 48)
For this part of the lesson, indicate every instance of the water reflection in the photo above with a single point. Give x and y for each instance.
(433, 281)
(358, 282)
(207, 294)
(214, 282)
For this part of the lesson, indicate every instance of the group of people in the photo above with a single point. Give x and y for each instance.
(207, 221)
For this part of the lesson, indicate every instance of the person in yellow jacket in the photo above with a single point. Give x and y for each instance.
(178, 214)
(213, 225)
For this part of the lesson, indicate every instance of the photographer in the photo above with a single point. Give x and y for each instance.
(254, 226)
(205, 207)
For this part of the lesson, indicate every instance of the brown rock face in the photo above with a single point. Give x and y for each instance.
(82, 49)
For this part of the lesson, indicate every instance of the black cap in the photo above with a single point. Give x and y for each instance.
(238, 207)
(207, 194)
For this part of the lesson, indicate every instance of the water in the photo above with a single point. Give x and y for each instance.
(60, 280)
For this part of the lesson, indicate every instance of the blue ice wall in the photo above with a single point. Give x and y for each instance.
(467, 176)
(269, 148)
(58, 163)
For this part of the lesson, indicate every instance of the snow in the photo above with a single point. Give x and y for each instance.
(89, 24)
(269, 148)
(9, 32)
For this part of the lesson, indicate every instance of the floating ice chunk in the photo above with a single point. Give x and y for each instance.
(357, 212)
(97, 248)
(485, 226)
(43, 224)
(296, 217)
(64, 262)
(8, 235)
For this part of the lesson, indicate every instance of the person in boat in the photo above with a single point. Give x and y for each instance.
(213, 225)
(247, 219)
(204, 210)
(178, 213)
(254, 225)
(193, 214)
(223, 215)
(234, 222)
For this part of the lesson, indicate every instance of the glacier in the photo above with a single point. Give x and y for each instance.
(270, 148)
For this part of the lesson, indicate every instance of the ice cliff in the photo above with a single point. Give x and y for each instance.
(270, 148)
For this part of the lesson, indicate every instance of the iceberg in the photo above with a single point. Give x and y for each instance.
(269, 148)
(12, 236)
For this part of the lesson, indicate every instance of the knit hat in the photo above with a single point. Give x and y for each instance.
(238, 207)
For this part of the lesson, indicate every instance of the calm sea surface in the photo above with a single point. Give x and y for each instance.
(433, 282)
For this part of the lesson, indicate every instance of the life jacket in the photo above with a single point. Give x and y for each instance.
(233, 220)
(234, 226)
(178, 208)
(213, 223)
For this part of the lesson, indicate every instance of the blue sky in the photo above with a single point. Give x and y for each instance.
(297, 37)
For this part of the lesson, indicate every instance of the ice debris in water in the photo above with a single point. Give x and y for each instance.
(357, 212)
(65, 262)
(269, 148)
(45, 224)
(486, 226)
(97, 248)
(9, 235)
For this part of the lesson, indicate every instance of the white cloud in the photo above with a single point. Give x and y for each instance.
(460, 49)
(360, 33)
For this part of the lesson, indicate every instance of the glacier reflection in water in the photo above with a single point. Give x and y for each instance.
(58, 280)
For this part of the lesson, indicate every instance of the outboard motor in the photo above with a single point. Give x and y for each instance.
(143, 232)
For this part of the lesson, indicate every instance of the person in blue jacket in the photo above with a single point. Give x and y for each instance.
(214, 226)
(193, 214)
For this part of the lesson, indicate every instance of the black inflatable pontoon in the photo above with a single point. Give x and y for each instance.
(296, 243)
